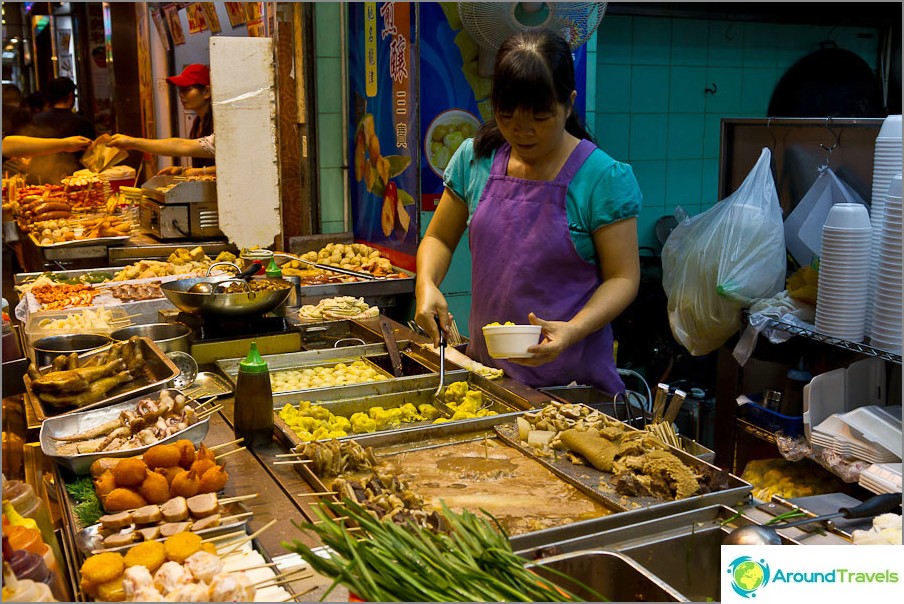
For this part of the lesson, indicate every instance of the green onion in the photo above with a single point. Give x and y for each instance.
(472, 562)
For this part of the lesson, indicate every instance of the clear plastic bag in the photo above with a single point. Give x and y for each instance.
(720, 261)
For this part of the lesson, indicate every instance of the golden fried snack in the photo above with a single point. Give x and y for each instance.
(104, 484)
(181, 545)
(130, 472)
(210, 548)
(149, 554)
(205, 453)
(186, 484)
(202, 465)
(111, 591)
(169, 473)
(187, 452)
(102, 567)
(121, 499)
(162, 456)
(155, 488)
(213, 480)
(87, 587)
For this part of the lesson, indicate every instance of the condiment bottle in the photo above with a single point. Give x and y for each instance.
(29, 540)
(273, 270)
(254, 401)
(15, 590)
(26, 502)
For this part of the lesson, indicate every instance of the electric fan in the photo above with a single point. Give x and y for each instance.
(490, 23)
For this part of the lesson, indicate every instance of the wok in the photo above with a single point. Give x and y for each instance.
(222, 304)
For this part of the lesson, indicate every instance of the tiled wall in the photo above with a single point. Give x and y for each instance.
(329, 116)
(651, 108)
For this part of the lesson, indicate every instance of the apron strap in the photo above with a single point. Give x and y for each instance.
(574, 162)
(500, 162)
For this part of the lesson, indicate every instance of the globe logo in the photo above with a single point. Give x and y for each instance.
(748, 575)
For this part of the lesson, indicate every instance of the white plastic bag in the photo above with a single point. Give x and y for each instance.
(720, 261)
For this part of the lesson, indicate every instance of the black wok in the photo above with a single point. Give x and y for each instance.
(222, 304)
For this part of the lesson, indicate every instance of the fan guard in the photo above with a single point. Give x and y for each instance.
(491, 23)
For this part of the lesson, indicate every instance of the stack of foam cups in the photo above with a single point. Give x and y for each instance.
(885, 327)
(844, 272)
(887, 158)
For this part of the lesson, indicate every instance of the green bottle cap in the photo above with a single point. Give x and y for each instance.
(253, 363)
(273, 269)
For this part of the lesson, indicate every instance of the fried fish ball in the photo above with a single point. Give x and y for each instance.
(103, 567)
(104, 484)
(205, 453)
(181, 545)
(149, 554)
(202, 465)
(111, 591)
(210, 548)
(155, 488)
(121, 499)
(213, 480)
(162, 456)
(130, 472)
(187, 452)
(169, 473)
(186, 484)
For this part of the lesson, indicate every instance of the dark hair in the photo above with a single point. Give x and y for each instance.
(12, 96)
(58, 89)
(534, 71)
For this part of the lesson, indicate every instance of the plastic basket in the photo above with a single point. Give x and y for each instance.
(773, 421)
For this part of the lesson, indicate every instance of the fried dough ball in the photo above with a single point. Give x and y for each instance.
(187, 452)
(111, 591)
(202, 465)
(130, 472)
(102, 567)
(169, 473)
(121, 499)
(149, 554)
(87, 587)
(162, 456)
(214, 480)
(155, 488)
(181, 545)
(205, 453)
(104, 483)
(210, 548)
(185, 484)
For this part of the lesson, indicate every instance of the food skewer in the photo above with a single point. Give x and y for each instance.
(208, 412)
(222, 455)
(228, 500)
(319, 494)
(223, 536)
(234, 546)
(293, 461)
(293, 454)
(231, 442)
(283, 579)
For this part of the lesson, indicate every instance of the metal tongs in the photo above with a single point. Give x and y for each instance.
(265, 255)
(438, 401)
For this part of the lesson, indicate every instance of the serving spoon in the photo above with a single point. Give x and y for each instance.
(756, 534)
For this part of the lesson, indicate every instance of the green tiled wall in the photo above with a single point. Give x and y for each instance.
(329, 116)
(651, 109)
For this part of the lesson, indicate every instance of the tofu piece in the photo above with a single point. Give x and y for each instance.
(203, 505)
(117, 521)
(174, 510)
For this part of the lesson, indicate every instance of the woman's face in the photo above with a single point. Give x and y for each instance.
(195, 98)
(533, 136)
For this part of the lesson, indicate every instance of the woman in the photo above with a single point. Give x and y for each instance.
(552, 222)
(194, 93)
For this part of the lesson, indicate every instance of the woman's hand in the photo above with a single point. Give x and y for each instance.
(75, 143)
(121, 141)
(556, 337)
(430, 305)
(174, 170)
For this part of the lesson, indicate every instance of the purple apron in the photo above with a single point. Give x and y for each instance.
(523, 260)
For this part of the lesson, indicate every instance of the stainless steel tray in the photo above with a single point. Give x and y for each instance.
(159, 370)
(182, 191)
(207, 385)
(89, 540)
(113, 240)
(20, 278)
(418, 390)
(73, 423)
(592, 480)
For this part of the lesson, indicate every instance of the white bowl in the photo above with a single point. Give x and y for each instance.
(848, 216)
(891, 127)
(463, 122)
(511, 341)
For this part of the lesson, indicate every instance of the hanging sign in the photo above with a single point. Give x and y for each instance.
(196, 21)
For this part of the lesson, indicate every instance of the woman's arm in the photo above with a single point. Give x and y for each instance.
(27, 146)
(616, 246)
(434, 255)
(178, 147)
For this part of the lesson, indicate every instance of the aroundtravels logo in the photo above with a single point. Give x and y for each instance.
(748, 575)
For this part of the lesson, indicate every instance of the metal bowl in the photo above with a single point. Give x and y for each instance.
(47, 349)
(168, 336)
(235, 305)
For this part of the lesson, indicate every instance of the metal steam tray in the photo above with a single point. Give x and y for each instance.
(417, 390)
(591, 480)
(159, 369)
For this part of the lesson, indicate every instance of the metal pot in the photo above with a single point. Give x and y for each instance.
(236, 305)
(47, 349)
(167, 336)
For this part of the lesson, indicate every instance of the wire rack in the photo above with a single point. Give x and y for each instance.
(825, 339)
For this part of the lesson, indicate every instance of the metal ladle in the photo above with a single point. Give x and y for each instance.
(206, 287)
(756, 534)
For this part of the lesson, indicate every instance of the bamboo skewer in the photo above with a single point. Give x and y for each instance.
(294, 461)
(294, 575)
(208, 412)
(223, 536)
(222, 455)
(293, 454)
(284, 581)
(235, 517)
(233, 546)
(231, 442)
(318, 494)
(229, 500)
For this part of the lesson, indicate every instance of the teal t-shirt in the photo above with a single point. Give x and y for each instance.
(602, 192)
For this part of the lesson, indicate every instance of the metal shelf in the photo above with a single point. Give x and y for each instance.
(847, 345)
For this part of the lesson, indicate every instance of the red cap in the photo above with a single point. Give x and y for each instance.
(192, 74)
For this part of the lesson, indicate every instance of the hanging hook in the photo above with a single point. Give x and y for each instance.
(837, 136)
(771, 133)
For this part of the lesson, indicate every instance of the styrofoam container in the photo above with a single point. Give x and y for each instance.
(848, 216)
(891, 127)
(511, 341)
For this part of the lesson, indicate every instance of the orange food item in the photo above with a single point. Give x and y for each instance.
(104, 483)
(187, 452)
(202, 465)
(121, 499)
(149, 554)
(130, 472)
(181, 545)
(214, 479)
(155, 488)
(205, 453)
(169, 473)
(162, 456)
(186, 484)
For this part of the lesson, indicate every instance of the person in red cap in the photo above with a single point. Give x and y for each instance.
(194, 92)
